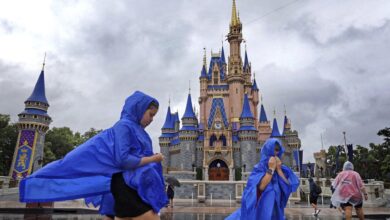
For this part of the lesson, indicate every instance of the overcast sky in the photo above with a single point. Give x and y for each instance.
(327, 61)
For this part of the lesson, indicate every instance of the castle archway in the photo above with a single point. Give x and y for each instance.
(218, 170)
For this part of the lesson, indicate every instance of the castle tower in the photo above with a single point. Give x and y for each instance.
(235, 79)
(248, 137)
(188, 136)
(33, 124)
(168, 132)
(264, 126)
(275, 130)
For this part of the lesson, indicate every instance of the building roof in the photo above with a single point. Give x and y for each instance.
(189, 112)
(263, 115)
(246, 62)
(275, 129)
(217, 103)
(254, 86)
(38, 94)
(246, 110)
(168, 120)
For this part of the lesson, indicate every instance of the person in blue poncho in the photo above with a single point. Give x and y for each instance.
(269, 186)
(115, 169)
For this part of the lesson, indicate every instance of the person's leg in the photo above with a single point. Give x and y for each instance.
(360, 213)
(149, 215)
(171, 202)
(348, 212)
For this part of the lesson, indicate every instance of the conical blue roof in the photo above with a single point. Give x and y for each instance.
(168, 120)
(254, 86)
(246, 110)
(263, 115)
(275, 129)
(246, 62)
(203, 73)
(38, 94)
(223, 56)
(189, 113)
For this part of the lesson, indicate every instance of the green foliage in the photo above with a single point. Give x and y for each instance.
(59, 141)
(372, 162)
(8, 138)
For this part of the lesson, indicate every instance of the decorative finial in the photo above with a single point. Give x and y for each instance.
(274, 112)
(261, 98)
(169, 100)
(44, 61)
(189, 86)
(234, 20)
(285, 111)
(204, 56)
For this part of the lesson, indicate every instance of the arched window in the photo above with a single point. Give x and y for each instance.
(213, 138)
(223, 139)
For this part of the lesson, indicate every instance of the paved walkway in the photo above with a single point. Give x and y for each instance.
(188, 210)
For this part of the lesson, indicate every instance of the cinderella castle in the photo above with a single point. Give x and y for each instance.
(224, 141)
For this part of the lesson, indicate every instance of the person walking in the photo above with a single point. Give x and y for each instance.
(349, 191)
(171, 194)
(315, 192)
(118, 165)
(269, 186)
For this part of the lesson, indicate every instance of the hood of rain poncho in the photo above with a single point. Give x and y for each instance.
(86, 171)
(347, 185)
(274, 198)
(348, 166)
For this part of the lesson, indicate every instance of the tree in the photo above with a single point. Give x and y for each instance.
(8, 138)
(59, 141)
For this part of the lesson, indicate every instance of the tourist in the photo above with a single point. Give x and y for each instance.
(315, 191)
(119, 160)
(269, 186)
(348, 192)
(171, 194)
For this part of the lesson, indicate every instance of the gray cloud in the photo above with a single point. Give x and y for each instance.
(332, 77)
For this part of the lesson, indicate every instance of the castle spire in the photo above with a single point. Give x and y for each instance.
(246, 110)
(275, 129)
(234, 20)
(168, 118)
(246, 62)
(189, 112)
(223, 55)
(38, 94)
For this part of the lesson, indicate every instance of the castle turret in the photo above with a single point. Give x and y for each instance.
(275, 129)
(32, 125)
(235, 78)
(188, 136)
(203, 90)
(168, 133)
(248, 137)
(286, 124)
(264, 126)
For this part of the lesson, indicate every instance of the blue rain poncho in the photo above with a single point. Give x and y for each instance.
(274, 198)
(86, 171)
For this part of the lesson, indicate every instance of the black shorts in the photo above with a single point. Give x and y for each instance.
(343, 205)
(127, 201)
(313, 199)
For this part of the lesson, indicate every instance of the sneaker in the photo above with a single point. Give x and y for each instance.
(318, 211)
